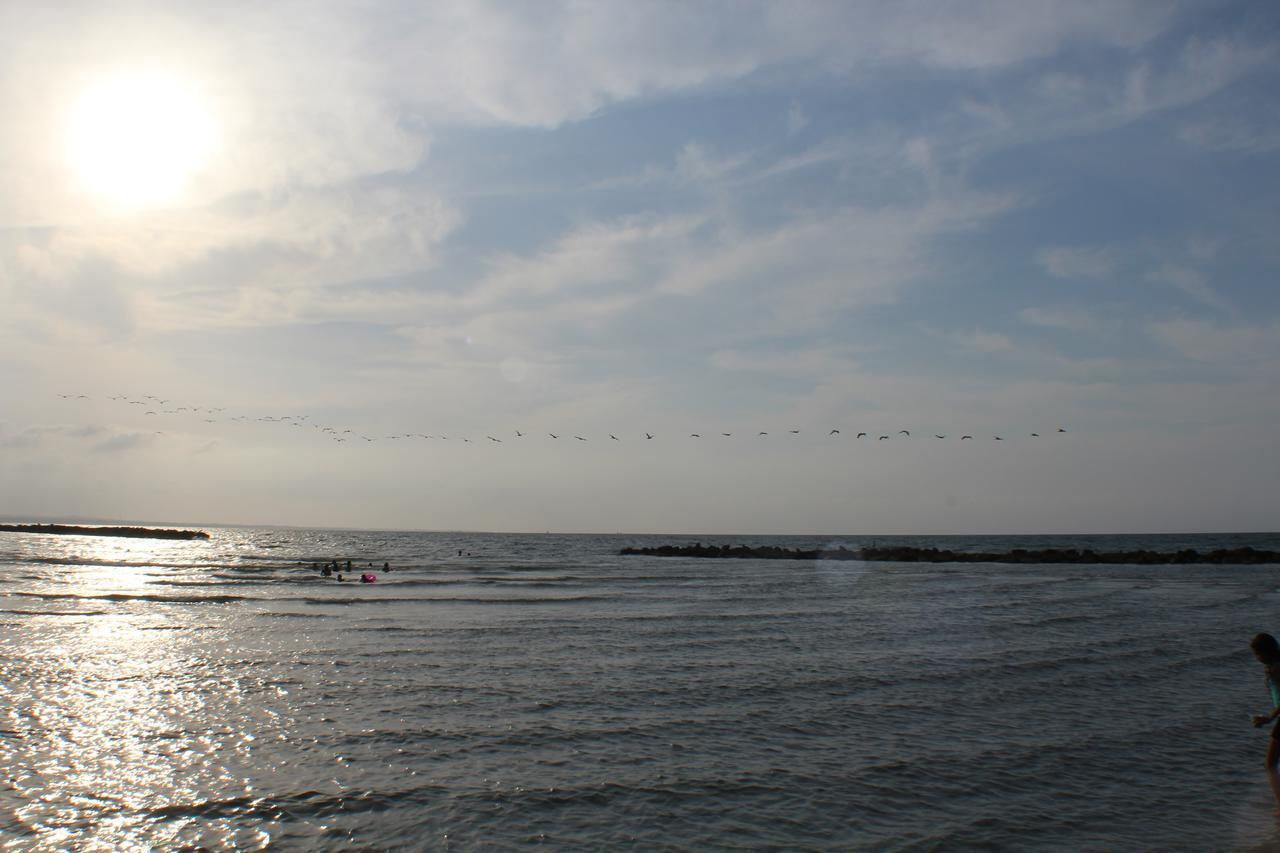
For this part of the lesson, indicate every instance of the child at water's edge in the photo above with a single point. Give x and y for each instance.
(1267, 651)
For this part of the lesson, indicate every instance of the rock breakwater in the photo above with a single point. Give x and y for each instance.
(903, 554)
(130, 532)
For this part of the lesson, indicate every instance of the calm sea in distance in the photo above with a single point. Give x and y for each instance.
(512, 690)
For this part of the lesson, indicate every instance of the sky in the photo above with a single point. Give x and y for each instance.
(477, 219)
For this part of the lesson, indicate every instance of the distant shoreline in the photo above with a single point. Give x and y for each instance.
(126, 532)
(903, 554)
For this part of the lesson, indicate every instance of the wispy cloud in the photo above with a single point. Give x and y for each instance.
(1074, 262)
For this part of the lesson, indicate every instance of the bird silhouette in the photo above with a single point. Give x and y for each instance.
(519, 434)
(648, 435)
(762, 433)
(862, 435)
(491, 438)
(834, 432)
(963, 437)
(795, 432)
(997, 438)
(905, 432)
(553, 435)
(935, 435)
(1035, 435)
(1060, 429)
(694, 435)
(614, 437)
(726, 434)
(580, 438)
(882, 438)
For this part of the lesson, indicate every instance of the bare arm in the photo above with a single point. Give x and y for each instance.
(1273, 672)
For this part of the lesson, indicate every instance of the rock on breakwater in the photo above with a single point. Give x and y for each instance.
(130, 532)
(903, 554)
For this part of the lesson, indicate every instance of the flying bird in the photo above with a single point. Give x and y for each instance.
(1060, 429)
(519, 434)
(862, 435)
(580, 438)
(1035, 435)
(762, 433)
(726, 434)
(905, 432)
(553, 435)
(963, 437)
(795, 432)
(614, 437)
(491, 438)
(648, 435)
(694, 435)
(834, 432)
(935, 435)
(882, 438)
(997, 438)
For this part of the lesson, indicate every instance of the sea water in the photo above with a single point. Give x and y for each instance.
(521, 690)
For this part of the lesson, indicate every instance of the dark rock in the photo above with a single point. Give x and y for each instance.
(129, 532)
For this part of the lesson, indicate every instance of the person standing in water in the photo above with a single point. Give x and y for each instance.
(1267, 651)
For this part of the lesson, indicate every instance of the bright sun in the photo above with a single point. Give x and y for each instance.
(138, 138)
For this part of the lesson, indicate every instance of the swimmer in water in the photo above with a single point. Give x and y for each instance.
(386, 567)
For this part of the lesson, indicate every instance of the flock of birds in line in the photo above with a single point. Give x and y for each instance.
(340, 435)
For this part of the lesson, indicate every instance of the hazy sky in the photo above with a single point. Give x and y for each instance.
(467, 219)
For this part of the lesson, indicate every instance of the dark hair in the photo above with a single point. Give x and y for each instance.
(1266, 647)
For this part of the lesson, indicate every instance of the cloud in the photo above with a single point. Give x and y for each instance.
(1189, 281)
(1231, 134)
(1071, 320)
(809, 362)
(1250, 347)
(1076, 262)
(797, 118)
(982, 341)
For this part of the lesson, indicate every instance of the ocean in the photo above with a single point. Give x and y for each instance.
(508, 691)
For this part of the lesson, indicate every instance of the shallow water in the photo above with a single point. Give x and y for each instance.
(543, 689)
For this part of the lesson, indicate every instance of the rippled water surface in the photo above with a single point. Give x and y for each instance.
(543, 689)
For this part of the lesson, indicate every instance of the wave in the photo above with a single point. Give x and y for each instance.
(57, 613)
(121, 596)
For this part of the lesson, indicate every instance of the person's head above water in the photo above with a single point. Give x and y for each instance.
(1265, 648)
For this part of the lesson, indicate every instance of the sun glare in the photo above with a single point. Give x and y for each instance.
(137, 139)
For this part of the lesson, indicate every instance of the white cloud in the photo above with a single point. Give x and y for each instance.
(982, 341)
(797, 118)
(1248, 347)
(1071, 320)
(1191, 282)
(1245, 136)
(818, 362)
(1075, 262)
